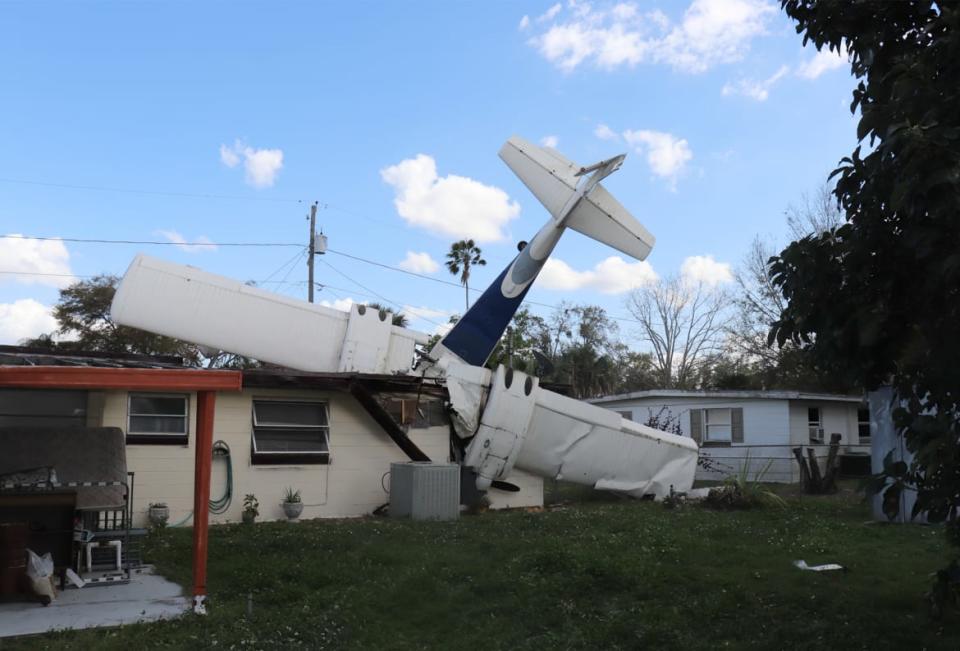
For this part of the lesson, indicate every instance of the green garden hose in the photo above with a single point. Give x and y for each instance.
(220, 505)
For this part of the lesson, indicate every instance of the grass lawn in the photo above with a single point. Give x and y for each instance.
(597, 575)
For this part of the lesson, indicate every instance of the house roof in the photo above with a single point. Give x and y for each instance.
(25, 356)
(730, 395)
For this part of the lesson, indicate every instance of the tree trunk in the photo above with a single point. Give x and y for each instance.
(815, 477)
(804, 471)
(830, 472)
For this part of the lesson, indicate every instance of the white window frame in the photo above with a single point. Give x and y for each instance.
(158, 437)
(275, 457)
(709, 428)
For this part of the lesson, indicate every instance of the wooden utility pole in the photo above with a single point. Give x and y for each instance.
(313, 243)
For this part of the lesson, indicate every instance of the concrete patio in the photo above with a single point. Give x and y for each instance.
(146, 598)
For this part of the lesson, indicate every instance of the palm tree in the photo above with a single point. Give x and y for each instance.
(463, 255)
(396, 318)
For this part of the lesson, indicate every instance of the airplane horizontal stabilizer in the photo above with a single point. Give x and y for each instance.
(601, 217)
(553, 180)
(549, 176)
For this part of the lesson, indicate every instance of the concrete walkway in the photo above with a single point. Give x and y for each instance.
(146, 598)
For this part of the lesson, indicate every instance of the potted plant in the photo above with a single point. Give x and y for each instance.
(251, 508)
(158, 513)
(292, 505)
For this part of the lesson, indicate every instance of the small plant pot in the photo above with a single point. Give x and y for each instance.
(249, 517)
(293, 509)
(158, 515)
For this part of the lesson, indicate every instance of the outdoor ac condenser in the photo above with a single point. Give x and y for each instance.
(423, 490)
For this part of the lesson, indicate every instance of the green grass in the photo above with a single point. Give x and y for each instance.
(597, 575)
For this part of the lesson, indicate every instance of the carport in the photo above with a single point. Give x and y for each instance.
(206, 384)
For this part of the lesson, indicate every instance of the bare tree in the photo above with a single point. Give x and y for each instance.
(816, 214)
(758, 303)
(684, 324)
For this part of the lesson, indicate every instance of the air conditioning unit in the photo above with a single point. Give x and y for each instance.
(816, 434)
(424, 490)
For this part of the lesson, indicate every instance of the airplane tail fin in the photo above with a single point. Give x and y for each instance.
(553, 180)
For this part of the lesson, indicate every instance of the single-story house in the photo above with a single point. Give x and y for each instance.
(323, 434)
(756, 428)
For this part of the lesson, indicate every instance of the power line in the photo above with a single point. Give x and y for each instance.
(162, 193)
(380, 296)
(285, 244)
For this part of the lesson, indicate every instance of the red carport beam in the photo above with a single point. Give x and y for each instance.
(206, 400)
(131, 379)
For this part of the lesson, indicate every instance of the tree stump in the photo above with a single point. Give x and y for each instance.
(812, 482)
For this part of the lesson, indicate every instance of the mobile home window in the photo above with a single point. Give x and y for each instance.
(814, 425)
(158, 418)
(289, 432)
(626, 415)
(718, 425)
(863, 426)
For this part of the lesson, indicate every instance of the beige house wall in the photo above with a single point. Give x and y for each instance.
(350, 485)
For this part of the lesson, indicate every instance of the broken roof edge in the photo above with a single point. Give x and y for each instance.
(736, 394)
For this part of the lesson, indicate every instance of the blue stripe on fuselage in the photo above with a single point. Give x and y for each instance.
(475, 335)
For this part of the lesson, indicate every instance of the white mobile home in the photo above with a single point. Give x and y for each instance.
(762, 426)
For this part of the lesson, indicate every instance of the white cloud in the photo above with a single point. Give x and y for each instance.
(667, 155)
(550, 141)
(27, 257)
(605, 133)
(613, 275)
(420, 263)
(442, 329)
(451, 206)
(757, 90)
(710, 33)
(24, 318)
(703, 268)
(200, 243)
(550, 13)
(343, 304)
(823, 61)
(524, 23)
(261, 166)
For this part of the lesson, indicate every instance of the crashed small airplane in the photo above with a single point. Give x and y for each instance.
(502, 419)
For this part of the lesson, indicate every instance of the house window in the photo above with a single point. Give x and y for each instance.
(718, 425)
(863, 426)
(814, 425)
(42, 408)
(626, 415)
(290, 432)
(158, 418)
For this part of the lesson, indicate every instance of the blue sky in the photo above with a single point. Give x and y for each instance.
(391, 115)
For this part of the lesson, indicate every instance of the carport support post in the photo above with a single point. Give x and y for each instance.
(201, 497)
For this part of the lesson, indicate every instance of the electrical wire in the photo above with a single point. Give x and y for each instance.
(284, 244)
(163, 193)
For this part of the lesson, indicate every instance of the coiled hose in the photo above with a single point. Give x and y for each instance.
(220, 505)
